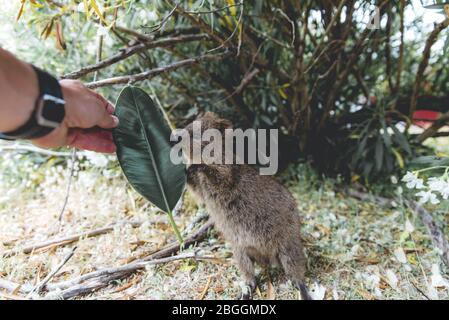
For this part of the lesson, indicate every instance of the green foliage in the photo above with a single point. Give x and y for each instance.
(380, 147)
(143, 150)
(310, 68)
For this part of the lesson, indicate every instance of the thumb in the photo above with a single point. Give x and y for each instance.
(106, 120)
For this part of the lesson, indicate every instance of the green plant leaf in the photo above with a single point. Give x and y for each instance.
(429, 161)
(379, 153)
(143, 150)
(401, 140)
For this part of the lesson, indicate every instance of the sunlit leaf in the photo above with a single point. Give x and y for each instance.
(98, 12)
(232, 9)
(21, 10)
(399, 158)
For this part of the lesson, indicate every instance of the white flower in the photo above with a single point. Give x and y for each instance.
(436, 184)
(412, 181)
(445, 191)
(394, 180)
(427, 196)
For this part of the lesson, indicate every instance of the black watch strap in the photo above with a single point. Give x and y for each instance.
(48, 113)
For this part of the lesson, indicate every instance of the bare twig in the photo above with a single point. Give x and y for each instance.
(239, 26)
(419, 290)
(129, 79)
(127, 52)
(69, 185)
(38, 288)
(243, 84)
(317, 50)
(437, 236)
(433, 129)
(162, 24)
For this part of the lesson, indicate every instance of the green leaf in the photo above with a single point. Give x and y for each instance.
(379, 153)
(143, 150)
(429, 161)
(360, 149)
(401, 140)
(386, 134)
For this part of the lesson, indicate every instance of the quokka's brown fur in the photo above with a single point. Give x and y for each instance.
(255, 213)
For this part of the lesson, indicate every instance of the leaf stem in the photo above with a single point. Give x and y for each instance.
(175, 228)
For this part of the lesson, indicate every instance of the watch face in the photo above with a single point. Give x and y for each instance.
(51, 111)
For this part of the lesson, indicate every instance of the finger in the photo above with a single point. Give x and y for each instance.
(98, 141)
(107, 104)
(107, 121)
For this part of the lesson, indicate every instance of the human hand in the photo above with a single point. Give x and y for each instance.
(86, 123)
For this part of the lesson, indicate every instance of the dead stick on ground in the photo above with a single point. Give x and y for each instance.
(42, 284)
(122, 271)
(102, 278)
(436, 235)
(68, 239)
(97, 279)
(106, 276)
(109, 274)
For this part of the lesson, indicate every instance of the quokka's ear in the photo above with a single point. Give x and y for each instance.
(222, 124)
(210, 115)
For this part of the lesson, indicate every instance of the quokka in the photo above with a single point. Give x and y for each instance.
(255, 213)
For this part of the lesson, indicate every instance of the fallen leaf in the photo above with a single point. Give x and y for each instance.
(400, 255)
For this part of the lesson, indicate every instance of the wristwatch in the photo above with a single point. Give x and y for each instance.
(48, 113)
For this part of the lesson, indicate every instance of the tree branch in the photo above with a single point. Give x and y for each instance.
(154, 72)
(432, 130)
(127, 52)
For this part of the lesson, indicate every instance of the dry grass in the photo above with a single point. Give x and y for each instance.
(351, 244)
